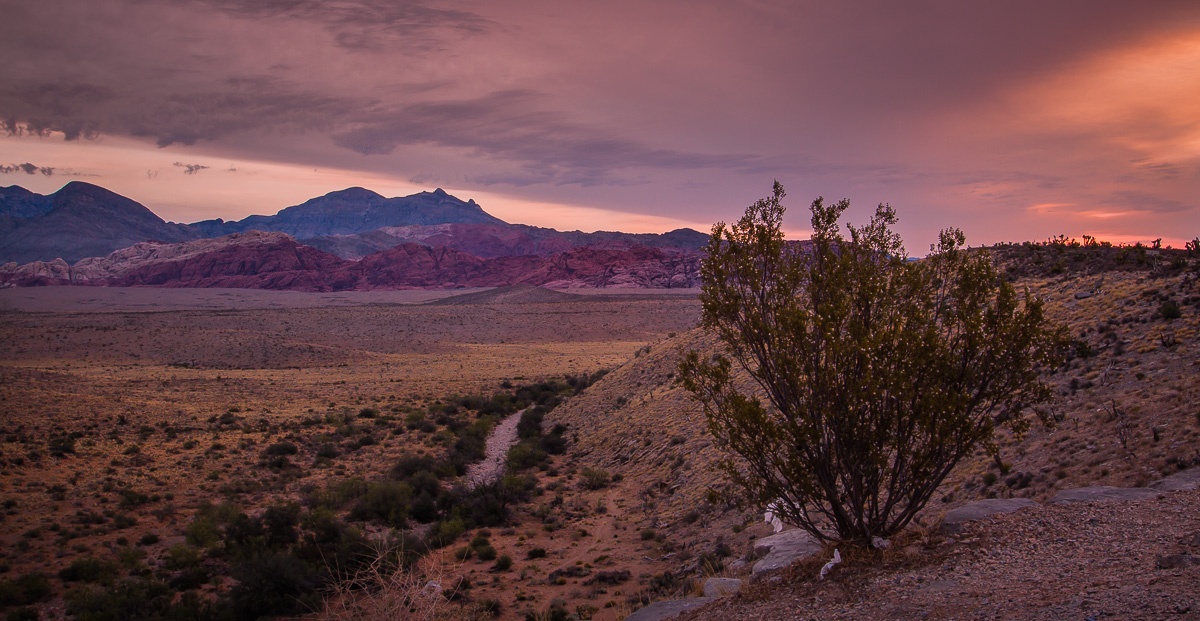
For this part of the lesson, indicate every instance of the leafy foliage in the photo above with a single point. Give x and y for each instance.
(879, 374)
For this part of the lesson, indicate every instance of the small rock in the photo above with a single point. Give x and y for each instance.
(1176, 561)
(1083, 295)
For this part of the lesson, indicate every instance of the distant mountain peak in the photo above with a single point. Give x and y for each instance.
(83, 188)
(353, 193)
(80, 220)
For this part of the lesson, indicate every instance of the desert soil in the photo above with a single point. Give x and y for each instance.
(143, 379)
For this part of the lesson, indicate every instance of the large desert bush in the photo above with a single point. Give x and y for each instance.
(871, 375)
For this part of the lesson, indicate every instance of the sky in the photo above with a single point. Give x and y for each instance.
(1015, 120)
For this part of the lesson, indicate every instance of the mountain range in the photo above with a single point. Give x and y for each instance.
(350, 239)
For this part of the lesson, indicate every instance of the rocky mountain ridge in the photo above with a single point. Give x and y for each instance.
(264, 260)
(84, 234)
(356, 210)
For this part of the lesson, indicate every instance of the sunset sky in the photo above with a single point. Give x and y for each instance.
(1014, 120)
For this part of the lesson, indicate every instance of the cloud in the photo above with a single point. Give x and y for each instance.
(190, 169)
(516, 126)
(27, 168)
(365, 25)
(1146, 201)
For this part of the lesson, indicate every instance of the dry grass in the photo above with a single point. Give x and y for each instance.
(118, 369)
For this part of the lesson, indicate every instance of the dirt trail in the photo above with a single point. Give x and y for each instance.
(502, 438)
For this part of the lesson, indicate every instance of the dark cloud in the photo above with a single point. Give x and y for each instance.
(190, 169)
(517, 127)
(27, 168)
(238, 105)
(1148, 201)
(369, 25)
(75, 109)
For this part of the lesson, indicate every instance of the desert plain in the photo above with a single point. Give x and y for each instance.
(138, 380)
(129, 413)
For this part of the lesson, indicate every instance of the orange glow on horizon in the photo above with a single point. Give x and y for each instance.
(1142, 97)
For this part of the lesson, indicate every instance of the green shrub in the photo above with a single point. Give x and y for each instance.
(135, 598)
(1170, 310)
(385, 501)
(338, 493)
(503, 563)
(327, 451)
(88, 569)
(60, 446)
(280, 448)
(181, 556)
(22, 614)
(530, 424)
(446, 532)
(25, 589)
(202, 531)
(593, 478)
(871, 366)
(526, 454)
(486, 553)
(275, 584)
(408, 465)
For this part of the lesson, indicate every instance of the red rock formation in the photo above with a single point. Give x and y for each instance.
(258, 260)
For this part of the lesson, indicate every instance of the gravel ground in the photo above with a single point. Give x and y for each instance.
(502, 438)
(1085, 561)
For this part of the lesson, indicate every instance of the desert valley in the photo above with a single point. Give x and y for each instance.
(455, 310)
(247, 426)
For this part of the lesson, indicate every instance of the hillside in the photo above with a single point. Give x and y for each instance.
(1125, 412)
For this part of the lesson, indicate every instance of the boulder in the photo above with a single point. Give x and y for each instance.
(783, 549)
(980, 509)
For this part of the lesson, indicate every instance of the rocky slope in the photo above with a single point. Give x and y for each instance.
(1126, 416)
(82, 220)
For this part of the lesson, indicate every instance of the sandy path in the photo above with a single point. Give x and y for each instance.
(502, 438)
